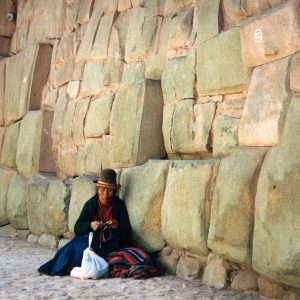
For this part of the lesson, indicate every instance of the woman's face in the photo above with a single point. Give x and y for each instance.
(105, 195)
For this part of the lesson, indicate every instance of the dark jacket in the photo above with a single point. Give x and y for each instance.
(119, 212)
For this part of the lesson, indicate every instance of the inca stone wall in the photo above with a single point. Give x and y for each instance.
(195, 104)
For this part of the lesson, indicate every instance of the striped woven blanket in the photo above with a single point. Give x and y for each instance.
(131, 263)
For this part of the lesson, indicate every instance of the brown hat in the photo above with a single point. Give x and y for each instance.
(108, 179)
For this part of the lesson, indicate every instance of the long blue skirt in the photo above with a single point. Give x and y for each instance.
(70, 255)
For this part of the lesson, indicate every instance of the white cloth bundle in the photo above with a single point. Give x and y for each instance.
(92, 265)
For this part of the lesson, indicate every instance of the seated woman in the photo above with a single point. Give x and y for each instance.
(104, 214)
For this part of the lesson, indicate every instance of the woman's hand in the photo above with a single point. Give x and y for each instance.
(96, 225)
(114, 223)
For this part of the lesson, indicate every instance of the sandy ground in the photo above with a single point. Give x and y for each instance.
(20, 280)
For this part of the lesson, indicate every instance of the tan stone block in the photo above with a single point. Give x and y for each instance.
(143, 200)
(67, 161)
(48, 240)
(295, 73)
(266, 105)
(97, 122)
(67, 136)
(82, 190)
(270, 289)
(71, 14)
(8, 231)
(93, 159)
(46, 155)
(277, 207)
(231, 224)
(62, 73)
(2, 86)
(29, 143)
(79, 121)
(110, 6)
(10, 142)
(189, 268)
(2, 135)
(101, 43)
(4, 46)
(220, 69)
(185, 198)
(73, 89)
(232, 105)
(65, 48)
(171, 6)
(155, 65)
(124, 5)
(7, 27)
(272, 36)
(84, 11)
(5, 177)
(17, 202)
(49, 97)
(106, 161)
(244, 280)
(19, 40)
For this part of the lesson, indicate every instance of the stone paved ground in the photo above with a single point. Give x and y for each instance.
(20, 280)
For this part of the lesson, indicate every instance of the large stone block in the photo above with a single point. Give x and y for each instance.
(101, 43)
(143, 191)
(176, 30)
(178, 78)
(84, 11)
(71, 15)
(29, 143)
(93, 158)
(10, 143)
(57, 206)
(36, 196)
(136, 119)
(276, 237)
(189, 268)
(82, 190)
(171, 6)
(272, 36)
(67, 136)
(208, 15)
(187, 126)
(2, 86)
(2, 134)
(17, 202)
(232, 210)
(220, 69)
(97, 122)
(5, 177)
(86, 45)
(67, 161)
(46, 157)
(265, 106)
(186, 206)
(62, 73)
(294, 73)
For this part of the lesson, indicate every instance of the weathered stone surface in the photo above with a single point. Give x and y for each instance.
(110, 6)
(80, 113)
(32, 238)
(82, 190)
(5, 177)
(244, 280)
(106, 161)
(176, 30)
(178, 78)
(136, 119)
(46, 159)
(186, 126)
(265, 106)
(101, 43)
(10, 142)
(23, 234)
(294, 73)
(85, 48)
(56, 207)
(208, 20)
(144, 200)
(189, 268)
(215, 273)
(276, 235)
(185, 199)
(93, 159)
(7, 27)
(62, 73)
(67, 161)
(36, 195)
(232, 105)
(271, 37)
(29, 143)
(8, 231)
(71, 14)
(141, 38)
(50, 95)
(219, 65)
(17, 202)
(84, 11)
(73, 89)
(67, 137)
(232, 209)
(225, 135)
(124, 5)
(2, 86)
(171, 6)
(154, 66)
(270, 289)
(4, 46)
(19, 39)
(2, 134)
(62, 242)
(97, 120)
(167, 260)
(48, 240)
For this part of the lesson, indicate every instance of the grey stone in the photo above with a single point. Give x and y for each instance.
(276, 207)
(106, 161)
(48, 240)
(62, 73)
(178, 78)
(71, 15)
(220, 69)
(29, 142)
(67, 161)
(32, 238)
(171, 6)
(93, 158)
(23, 234)
(2, 88)
(189, 268)
(5, 177)
(186, 208)
(2, 135)
(231, 225)
(62, 242)
(97, 122)
(8, 231)
(82, 190)
(143, 191)
(10, 143)
(67, 135)
(17, 202)
(244, 280)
